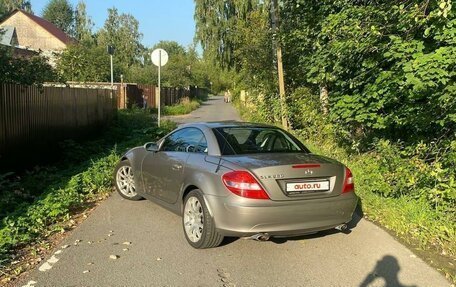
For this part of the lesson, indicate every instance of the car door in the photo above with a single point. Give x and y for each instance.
(163, 171)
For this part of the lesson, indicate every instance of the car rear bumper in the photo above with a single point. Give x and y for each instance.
(236, 216)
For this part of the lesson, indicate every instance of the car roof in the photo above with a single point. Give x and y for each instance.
(225, 124)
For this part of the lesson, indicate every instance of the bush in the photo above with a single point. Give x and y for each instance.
(35, 70)
(305, 115)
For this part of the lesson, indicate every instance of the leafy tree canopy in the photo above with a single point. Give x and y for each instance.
(183, 69)
(389, 66)
(122, 31)
(6, 6)
(84, 64)
(60, 13)
(216, 25)
(83, 25)
(35, 70)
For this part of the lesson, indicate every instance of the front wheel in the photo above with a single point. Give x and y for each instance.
(199, 227)
(124, 180)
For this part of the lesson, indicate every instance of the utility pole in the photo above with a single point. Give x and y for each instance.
(275, 27)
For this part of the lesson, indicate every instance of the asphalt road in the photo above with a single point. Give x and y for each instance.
(155, 252)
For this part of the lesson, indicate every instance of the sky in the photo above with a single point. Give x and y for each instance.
(169, 20)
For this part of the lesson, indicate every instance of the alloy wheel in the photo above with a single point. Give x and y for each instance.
(193, 219)
(125, 181)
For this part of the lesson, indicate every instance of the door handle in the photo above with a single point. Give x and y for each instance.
(177, 166)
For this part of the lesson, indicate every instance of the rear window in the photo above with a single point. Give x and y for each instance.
(249, 140)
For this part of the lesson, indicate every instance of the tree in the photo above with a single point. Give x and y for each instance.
(122, 31)
(60, 13)
(83, 25)
(238, 34)
(178, 72)
(6, 6)
(171, 47)
(84, 64)
(35, 70)
(388, 67)
(216, 22)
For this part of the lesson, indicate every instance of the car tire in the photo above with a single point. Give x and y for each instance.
(124, 181)
(198, 224)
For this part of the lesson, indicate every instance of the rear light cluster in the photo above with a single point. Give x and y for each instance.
(349, 183)
(243, 183)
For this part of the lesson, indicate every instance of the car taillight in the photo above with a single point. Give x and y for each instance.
(349, 183)
(243, 183)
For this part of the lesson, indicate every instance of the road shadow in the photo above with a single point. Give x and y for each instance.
(387, 269)
(228, 240)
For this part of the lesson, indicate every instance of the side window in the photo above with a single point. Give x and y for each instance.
(202, 146)
(173, 142)
(186, 140)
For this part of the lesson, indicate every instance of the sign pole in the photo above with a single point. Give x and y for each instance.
(159, 86)
(158, 61)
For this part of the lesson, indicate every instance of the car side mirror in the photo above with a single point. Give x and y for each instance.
(151, 146)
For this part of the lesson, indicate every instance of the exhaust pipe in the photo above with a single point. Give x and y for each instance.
(260, 237)
(341, 227)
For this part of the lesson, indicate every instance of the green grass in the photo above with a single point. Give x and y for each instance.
(35, 204)
(184, 107)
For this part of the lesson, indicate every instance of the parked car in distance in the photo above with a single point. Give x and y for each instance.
(238, 179)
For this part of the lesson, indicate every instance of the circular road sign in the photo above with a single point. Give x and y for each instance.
(155, 56)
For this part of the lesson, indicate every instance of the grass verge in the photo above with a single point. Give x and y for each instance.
(37, 204)
(184, 107)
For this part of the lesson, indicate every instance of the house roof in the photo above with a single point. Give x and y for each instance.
(48, 26)
(6, 35)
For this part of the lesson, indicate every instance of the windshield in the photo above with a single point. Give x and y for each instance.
(248, 140)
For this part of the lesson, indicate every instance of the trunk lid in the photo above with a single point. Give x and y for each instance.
(294, 176)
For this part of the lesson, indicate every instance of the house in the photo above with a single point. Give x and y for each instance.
(35, 33)
(8, 37)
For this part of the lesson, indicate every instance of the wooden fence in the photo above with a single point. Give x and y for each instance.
(32, 117)
(133, 95)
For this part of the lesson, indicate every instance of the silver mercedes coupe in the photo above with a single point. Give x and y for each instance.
(238, 179)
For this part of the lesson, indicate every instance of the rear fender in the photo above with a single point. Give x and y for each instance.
(210, 184)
